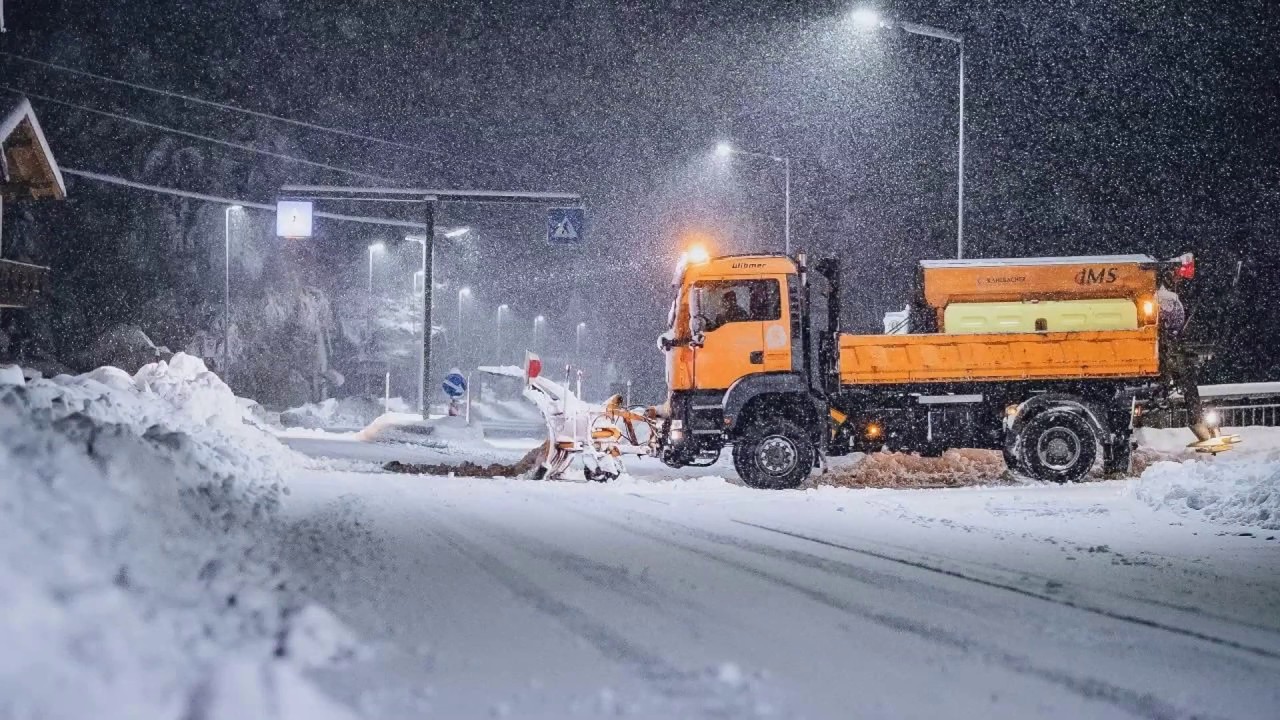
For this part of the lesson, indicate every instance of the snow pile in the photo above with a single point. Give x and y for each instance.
(350, 413)
(1241, 487)
(955, 468)
(137, 546)
(444, 432)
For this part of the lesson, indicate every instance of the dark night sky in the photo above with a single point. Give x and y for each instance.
(1093, 127)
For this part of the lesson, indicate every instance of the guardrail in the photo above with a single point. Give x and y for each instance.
(1230, 415)
(1237, 405)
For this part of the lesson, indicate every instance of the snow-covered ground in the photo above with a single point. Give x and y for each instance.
(164, 555)
(683, 594)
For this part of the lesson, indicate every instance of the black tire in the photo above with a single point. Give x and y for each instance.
(1058, 445)
(774, 454)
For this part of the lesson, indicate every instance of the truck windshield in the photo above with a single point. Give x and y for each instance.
(728, 301)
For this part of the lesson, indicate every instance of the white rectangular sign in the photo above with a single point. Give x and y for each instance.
(293, 219)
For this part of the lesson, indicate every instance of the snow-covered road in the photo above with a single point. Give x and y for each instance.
(699, 598)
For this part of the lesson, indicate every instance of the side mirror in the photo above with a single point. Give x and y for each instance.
(698, 327)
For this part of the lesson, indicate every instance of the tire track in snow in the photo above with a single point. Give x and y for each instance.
(927, 521)
(610, 578)
(695, 692)
(1065, 602)
(1138, 704)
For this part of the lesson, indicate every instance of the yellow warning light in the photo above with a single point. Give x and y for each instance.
(873, 430)
(1148, 309)
(697, 254)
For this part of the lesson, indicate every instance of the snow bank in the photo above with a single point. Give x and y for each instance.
(137, 553)
(444, 432)
(349, 413)
(1241, 490)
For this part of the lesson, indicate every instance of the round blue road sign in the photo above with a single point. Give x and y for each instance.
(454, 385)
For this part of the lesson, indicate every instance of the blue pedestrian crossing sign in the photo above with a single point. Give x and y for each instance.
(566, 225)
(454, 385)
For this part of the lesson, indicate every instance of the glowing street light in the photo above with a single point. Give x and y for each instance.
(869, 19)
(373, 249)
(456, 232)
(866, 18)
(726, 150)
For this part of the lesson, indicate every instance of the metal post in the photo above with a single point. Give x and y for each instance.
(960, 210)
(786, 164)
(428, 263)
(226, 292)
(370, 270)
(917, 29)
(457, 333)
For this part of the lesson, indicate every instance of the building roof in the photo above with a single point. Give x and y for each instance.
(33, 171)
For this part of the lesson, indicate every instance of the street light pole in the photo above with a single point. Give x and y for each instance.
(425, 299)
(786, 212)
(725, 149)
(960, 171)
(869, 18)
(226, 288)
(376, 247)
(463, 293)
(501, 309)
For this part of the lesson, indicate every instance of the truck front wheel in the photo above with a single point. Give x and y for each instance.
(774, 454)
(1058, 445)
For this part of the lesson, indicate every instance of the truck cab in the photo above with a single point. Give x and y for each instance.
(739, 350)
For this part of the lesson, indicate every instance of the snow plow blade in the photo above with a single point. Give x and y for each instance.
(1215, 445)
(585, 441)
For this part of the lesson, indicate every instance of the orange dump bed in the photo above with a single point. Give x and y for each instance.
(883, 359)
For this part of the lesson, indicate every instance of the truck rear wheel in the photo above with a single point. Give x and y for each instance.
(774, 454)
(1058, 445)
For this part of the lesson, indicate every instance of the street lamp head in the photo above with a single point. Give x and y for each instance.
(457, 232)
(540, 319)
(377, 247)
(723, 149)
(235, 208)
(866, 18)
(464, 292)
(503, 307)
(582, 326)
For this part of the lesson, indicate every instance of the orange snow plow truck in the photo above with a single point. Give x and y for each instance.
(1047, 359)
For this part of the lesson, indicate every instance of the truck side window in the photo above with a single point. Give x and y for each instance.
(729, 301)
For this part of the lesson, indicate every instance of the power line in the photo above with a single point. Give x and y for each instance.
(197, 136)
(125, 182)
(231, 108)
